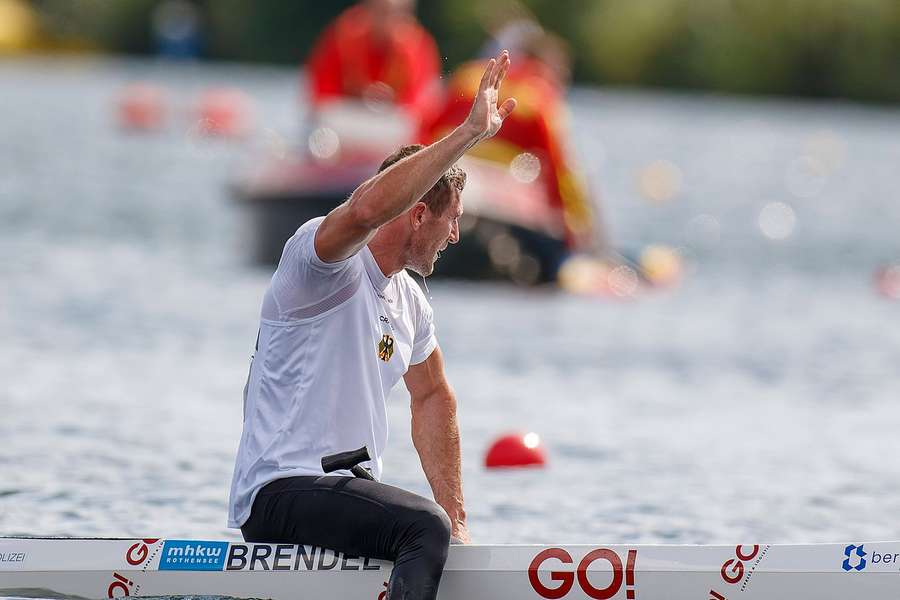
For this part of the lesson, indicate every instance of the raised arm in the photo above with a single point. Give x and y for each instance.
(395, 190)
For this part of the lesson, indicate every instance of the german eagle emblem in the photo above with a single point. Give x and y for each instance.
(386, 348)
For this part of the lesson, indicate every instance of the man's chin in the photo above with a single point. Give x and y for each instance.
(423, 269)
(424, 272)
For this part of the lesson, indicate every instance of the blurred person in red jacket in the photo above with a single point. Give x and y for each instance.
(538, 80)
(378, 52)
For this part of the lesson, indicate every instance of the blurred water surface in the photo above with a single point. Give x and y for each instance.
(757, 401)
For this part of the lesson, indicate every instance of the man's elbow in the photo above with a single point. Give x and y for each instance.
(362, 209)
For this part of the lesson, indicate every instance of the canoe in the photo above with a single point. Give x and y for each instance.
(113, 568)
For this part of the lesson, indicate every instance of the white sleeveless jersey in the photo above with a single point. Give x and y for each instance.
(334, 339)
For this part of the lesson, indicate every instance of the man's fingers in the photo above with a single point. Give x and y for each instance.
(502, 61)
(506, 108)
(488, 74)
(503, 70)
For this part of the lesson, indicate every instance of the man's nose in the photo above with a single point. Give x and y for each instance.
(454, 232)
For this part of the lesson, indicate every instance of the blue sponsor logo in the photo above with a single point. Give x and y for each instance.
(192, 555)
(855, 560)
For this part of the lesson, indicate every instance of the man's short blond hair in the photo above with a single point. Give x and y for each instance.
(437, 199)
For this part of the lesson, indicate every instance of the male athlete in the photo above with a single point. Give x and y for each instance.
(341, 323)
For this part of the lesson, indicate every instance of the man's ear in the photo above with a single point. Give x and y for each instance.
(417, 215)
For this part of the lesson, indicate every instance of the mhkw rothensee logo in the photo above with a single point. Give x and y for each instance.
(193, 555)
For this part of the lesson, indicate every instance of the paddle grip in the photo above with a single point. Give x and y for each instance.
(348, 461)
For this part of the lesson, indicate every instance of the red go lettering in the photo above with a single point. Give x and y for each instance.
(566, 579)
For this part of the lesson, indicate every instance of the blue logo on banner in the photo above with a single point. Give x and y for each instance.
(192, 555)
(850, 552)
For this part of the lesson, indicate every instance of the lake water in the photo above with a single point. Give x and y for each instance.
(759, 400)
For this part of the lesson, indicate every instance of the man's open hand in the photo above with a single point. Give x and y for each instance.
(486, 117)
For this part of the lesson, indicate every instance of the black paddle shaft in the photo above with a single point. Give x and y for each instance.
(348, 461)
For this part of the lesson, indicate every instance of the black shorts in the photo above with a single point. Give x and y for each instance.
(361, 518)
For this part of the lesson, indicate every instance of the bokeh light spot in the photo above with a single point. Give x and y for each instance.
(525, 167)
(777, 220)
(584, 275)
(660, 181)
(324, 143)
(504, 250)
(661, 265)
(526, 271)
(623, 281)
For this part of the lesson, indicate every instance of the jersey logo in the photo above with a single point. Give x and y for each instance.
(386, 348)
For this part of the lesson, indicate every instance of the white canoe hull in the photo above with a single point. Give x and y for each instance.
(104, 568)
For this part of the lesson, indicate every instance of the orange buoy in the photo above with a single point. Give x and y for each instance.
(142, 107)
(224, 112)
(516, 450)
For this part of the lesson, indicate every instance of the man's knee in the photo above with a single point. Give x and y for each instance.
(423, 552)
(435, 527)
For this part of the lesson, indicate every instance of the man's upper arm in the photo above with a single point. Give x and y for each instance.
(342, 233)
(427, 377)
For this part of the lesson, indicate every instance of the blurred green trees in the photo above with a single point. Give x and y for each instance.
(847, 48)
(831, 48)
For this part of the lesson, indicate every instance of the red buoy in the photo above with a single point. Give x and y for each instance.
(224, 112)
(142, 107)
(887, 281)
(516, 450)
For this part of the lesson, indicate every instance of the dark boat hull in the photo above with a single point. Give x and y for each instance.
(506, 231)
